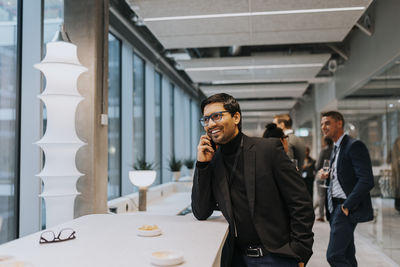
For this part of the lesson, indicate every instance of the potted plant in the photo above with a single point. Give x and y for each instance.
(175, 166)
(189, 163)
(142, 176)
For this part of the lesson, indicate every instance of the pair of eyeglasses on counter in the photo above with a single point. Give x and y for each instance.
(50, 237)
(216, 116)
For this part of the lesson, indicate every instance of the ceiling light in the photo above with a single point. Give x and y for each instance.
(281, 66)
(265, 13)
(391, 105)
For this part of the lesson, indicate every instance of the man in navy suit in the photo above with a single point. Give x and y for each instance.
(348, 201)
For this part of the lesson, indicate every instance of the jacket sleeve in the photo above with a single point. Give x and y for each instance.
(298, 202)
(362, 168)
(203, 202)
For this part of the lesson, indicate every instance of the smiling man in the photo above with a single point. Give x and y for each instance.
(256, 187)
(348, 201)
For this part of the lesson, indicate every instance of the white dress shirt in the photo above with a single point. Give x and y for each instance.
(337, 190)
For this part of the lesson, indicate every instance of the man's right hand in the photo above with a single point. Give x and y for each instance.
(205, 151)
(323, 175)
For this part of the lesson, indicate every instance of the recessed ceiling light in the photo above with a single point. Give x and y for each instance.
(391, 105)
(253, 67)
(265, 13)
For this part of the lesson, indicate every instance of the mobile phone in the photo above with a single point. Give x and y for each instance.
(213, 145)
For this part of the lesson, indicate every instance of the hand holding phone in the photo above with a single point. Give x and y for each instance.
(206, 149)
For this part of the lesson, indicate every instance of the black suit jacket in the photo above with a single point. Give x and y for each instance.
(355, 176)
(278, 200)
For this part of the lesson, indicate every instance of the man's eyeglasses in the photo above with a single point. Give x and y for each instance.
(216, 116)
(50, 237)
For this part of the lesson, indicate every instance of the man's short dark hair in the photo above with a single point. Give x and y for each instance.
(337, 116)
(273, 131)
(286, 119)
(230, 104)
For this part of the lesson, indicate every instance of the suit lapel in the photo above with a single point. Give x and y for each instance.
(340, 159)
(249, 165)
(220, 174)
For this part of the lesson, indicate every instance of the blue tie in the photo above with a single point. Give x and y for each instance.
(330, 204)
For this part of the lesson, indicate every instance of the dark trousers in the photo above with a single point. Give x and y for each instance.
(341, 250)
(270, 260)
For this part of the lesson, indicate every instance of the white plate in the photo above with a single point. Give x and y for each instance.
(166, 258)
(155, 232)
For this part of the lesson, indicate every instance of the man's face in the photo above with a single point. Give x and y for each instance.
(224, 130)
(279, 125)
(331, 128)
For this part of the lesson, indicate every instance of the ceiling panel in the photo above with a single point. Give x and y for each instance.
(270, 28)
(163, 8)
(257, 91)
(272, 68)
(188, 28)
(270, 75)
(260, 38)
(269, 114)
(266, 104)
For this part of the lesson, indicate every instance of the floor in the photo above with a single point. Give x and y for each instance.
(367, 254)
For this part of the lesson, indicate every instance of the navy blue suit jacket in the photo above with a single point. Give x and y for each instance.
(355, 176)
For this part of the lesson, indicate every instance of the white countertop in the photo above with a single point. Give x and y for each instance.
(112, 241)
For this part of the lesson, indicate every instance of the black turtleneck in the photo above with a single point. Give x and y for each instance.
(246, 232)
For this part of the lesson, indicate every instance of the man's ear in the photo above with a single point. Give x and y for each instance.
(236, 117)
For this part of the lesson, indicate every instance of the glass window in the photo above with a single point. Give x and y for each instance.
(191, 122)
(53, 18)
(157, 99)
(114, 117)
(138, 108)
(171, 117)
(8, 119)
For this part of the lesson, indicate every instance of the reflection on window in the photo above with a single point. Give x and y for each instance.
(138, 108)
(114, 117)
(158, 157)
(8, 120)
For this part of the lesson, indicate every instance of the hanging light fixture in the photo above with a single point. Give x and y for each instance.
(60, 142)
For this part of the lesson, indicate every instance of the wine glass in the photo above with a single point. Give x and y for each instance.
(326, 168)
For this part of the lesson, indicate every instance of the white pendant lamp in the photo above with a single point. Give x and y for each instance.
(60, 143)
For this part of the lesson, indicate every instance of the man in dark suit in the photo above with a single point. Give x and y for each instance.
(348, 201)
(256, 187)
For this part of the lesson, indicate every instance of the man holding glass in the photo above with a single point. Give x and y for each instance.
(256, 187)
(350, 179)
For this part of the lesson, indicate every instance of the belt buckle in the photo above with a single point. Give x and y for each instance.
(254, 252)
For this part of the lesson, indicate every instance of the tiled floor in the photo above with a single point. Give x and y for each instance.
(367, 254)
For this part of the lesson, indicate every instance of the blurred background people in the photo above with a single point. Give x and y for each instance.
(325, 154)
(395, 183)
(309, 172)
(272, 130)
(297, 149)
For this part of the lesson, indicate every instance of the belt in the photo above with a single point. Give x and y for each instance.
(337, 201)
(254, 251)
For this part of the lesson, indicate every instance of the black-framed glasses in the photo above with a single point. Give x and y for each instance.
(216, 116)
(50, 237)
